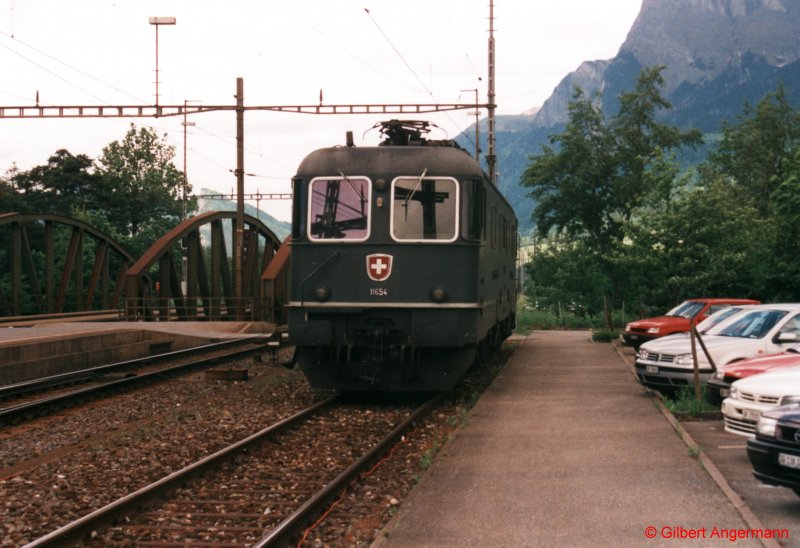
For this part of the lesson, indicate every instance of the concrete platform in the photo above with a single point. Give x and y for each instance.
(53, 348)
(566, 449)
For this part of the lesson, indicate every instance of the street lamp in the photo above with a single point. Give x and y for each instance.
(157, 22)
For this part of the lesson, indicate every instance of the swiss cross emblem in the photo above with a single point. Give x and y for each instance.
(379, 266)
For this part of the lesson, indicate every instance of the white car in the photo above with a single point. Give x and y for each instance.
(752, 396)
(667, 364)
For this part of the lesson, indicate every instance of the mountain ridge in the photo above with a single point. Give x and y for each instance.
(718, 55)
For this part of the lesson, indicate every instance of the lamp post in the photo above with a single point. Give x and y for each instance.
(157, 22)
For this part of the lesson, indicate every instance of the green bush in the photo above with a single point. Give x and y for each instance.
(530, 318)
(685, 403)
(604, 335)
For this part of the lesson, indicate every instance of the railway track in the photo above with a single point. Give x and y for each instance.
(38, 397)
(255, 492)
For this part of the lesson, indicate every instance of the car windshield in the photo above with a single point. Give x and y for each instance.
(717, 318)
(688, 309)
(752, 325)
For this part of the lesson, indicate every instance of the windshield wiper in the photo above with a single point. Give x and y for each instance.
(413, 190)
(359, 191)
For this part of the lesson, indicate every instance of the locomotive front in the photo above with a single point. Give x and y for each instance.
(388, 267)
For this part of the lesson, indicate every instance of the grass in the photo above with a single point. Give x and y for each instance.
(684, 403)
(529, 319)
(427, 458)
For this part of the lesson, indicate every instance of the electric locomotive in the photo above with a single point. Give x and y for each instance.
(403, 263)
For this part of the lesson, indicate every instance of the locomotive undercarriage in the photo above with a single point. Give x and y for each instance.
(379, 354)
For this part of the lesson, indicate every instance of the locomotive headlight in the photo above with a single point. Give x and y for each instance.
(322, 293)
(438, 295)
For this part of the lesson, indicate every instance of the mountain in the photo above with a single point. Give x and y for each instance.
(718, 55)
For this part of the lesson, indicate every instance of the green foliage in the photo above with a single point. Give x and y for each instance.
(703, 243)
(572, 180)
(753, 152)
(620, 223)
(557, 275)
(144, 188)
(686, 403)
(596, 173)
(66, 182)
(604, 335)
(133, 193)
(536, 316)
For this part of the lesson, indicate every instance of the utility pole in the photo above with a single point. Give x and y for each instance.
(491, 158)
(185, 124)
(238, 240)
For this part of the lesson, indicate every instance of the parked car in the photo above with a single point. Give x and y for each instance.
(719, 385)
(774, 452)
(667, 364)
(752, 397)
(676, 320)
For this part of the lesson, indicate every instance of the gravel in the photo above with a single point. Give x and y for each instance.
(58, 468)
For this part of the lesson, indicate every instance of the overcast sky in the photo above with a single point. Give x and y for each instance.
(96, 52)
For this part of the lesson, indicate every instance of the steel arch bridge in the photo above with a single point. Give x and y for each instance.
(34, 251)
(154, 290)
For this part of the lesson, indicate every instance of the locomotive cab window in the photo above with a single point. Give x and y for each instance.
(298, 211)
(473, 210)
(424, 209)
(338, 208)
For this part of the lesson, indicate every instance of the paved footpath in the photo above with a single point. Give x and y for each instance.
(566, 449)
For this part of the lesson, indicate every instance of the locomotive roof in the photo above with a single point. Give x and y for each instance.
(391, 160)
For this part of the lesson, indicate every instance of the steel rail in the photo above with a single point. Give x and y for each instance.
(56, 316)
(8, 414)
(78, 529)
(281, 534)
(61, 379)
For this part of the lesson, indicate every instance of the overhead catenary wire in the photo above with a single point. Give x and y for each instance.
(411, 69)
(50, 72)
(399, 54)
(68, 65)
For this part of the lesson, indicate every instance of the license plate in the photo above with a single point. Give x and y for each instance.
(652, 369)
(749, 414)
(790, 461)
(634, 337)
(724, 392)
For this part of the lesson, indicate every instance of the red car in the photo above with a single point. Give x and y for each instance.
(720, 383)
(676, 320)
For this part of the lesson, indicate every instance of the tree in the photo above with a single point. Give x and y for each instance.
(782, 276)
(591, 179)
(66, 182)
(642, 145)
(593, 176)
(144, 188)
(705, 243)
(753, 150)
(571, 179)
